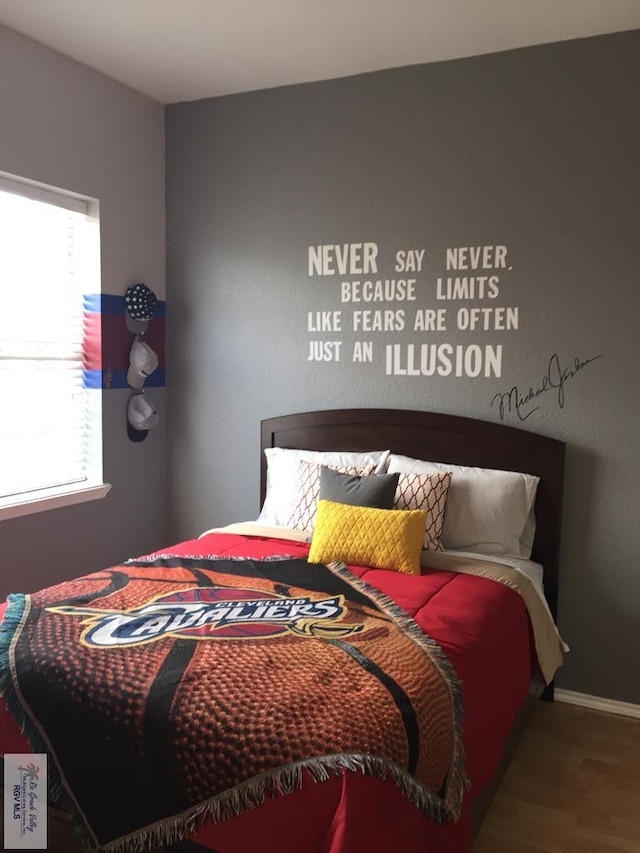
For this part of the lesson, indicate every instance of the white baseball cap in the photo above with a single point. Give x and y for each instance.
(141, 417)
(142, 362)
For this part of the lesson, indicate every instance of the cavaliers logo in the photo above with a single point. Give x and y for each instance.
(213, 613)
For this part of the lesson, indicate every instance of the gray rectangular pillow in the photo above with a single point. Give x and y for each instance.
(377, 491)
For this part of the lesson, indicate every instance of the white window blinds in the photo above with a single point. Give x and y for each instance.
(47, 248)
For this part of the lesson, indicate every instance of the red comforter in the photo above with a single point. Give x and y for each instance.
(484, 630)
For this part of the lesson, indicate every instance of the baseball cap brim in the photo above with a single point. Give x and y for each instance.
(138, 327)
(140, 411)
(136, 434)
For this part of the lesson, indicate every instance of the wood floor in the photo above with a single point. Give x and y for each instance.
(573, 786)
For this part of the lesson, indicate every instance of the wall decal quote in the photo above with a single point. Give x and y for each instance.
(381, 296)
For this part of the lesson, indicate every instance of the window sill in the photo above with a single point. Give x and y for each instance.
(42, 502)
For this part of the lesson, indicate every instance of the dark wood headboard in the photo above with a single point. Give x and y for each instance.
(439, 438)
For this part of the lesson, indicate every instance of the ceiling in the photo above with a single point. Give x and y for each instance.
(181, 50)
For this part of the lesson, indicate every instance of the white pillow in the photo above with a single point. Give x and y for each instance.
(282, 471)
(528, 534)
(488, 511)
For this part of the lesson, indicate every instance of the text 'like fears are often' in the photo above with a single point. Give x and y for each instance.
(425, 296)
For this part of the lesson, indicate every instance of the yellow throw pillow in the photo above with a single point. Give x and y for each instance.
(362, 536)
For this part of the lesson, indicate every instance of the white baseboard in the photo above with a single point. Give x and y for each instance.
(598, 703)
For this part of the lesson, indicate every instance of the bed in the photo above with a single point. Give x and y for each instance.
(467, 603)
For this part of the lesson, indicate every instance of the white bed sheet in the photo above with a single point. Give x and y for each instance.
(534, 571)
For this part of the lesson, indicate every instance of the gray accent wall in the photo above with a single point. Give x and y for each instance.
(534, 150)
(68, 126)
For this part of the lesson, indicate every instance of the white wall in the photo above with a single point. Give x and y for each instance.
(68, 126)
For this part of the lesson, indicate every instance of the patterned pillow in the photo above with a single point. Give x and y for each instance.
(427, 492)
(307, 490)
(364, 536)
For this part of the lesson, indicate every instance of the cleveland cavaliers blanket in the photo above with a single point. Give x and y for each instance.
(168, 690)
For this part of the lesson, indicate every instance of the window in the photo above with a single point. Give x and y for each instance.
(50, 420)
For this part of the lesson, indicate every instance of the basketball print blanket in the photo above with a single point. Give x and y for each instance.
(169, 690)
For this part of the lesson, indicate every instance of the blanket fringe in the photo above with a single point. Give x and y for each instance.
(10, 623)
(282, 781)
(150, 559)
